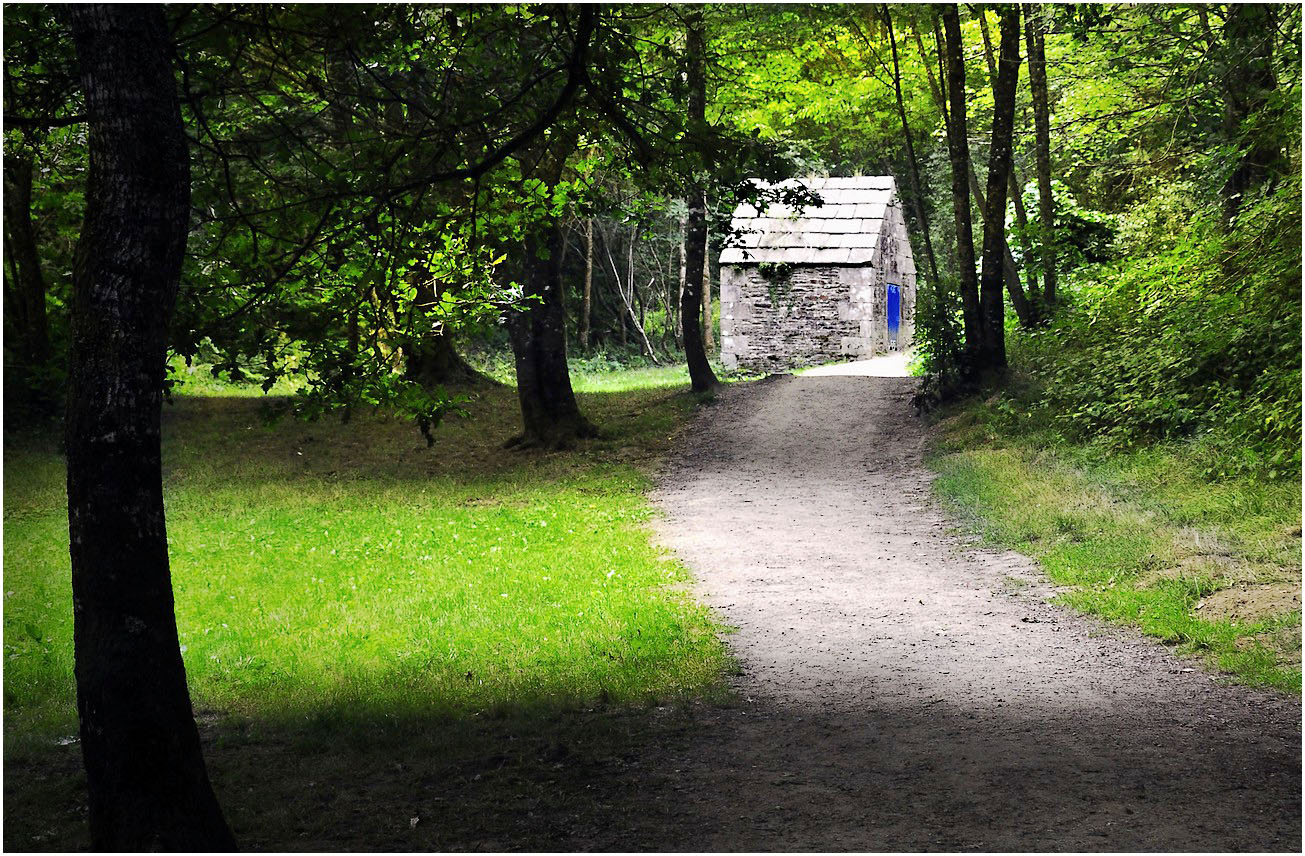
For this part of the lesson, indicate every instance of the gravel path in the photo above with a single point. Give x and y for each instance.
(905, 691)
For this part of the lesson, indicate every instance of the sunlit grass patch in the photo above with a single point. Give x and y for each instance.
(331, 567)
(651, 377)
(1139, 538)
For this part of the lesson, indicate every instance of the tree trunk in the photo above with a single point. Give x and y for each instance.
(1019, 300)
(586, 299)
(993, 357)
(429, 356)
(1026, 248)
(914, 172)
(145, 773)
(679, 296)
(549, 411)
(1248, 35)
(629, 298)
(701, 377)
(708, 340)
(1034, 29)
(28, 308)
(958, 147)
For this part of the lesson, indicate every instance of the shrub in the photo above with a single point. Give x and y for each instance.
(1199, 338)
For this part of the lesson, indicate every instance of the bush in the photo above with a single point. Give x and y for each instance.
(1200, 338)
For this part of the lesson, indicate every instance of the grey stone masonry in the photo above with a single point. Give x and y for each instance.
(811, 289)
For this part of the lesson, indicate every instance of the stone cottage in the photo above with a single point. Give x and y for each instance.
(835, 283)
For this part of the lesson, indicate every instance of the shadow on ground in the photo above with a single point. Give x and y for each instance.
(707, 778)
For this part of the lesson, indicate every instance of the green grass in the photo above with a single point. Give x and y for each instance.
(1140, 537)
(336, 572)
(650, 377)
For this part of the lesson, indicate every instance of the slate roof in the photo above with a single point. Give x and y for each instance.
(843, 231)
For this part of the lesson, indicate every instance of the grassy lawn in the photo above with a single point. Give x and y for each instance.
(1140, 538)
(327, 573)
(368, 623)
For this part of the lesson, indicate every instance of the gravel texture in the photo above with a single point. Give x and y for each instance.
(904, 690)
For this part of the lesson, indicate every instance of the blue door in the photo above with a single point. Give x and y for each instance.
(894, 313)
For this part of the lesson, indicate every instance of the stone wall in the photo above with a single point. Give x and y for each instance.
(814, 315)
(817, 313)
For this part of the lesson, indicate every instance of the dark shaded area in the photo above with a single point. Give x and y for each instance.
(147, 783)
(733, 778)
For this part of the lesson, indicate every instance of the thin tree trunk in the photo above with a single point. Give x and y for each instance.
(1249, 32)
(1023, 308)
(628, 298)
(669, 301)
(679, 296)
(549, 411)
(916, 185)
(1019, 301)
(1026, 249)
(586, 299)
(999, 163)
(942, 52)
(1042, 144)
(145, 773)
(708, 340)
(25, 262)
(934, 87)
(701, 377)
(959, 149)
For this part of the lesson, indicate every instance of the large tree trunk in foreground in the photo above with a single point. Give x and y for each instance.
(27, 306)
(549, 410)
(958, 147)
(144, 770)
(1042, 136)
(701, 377)
(992, 303)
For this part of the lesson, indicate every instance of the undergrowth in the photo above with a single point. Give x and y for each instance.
(1192, 335)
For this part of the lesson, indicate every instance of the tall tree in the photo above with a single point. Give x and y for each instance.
(913, 162)
(549, 411)
(958, 147)
(27, 287)
(1034, 29)
(145, 774)
(1249, 32)
(993, 355)
(537, 328)
(701, 377)
(1020, 300)
(586, 297)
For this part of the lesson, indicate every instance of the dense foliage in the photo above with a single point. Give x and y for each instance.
(367, 183)
(1193, 334)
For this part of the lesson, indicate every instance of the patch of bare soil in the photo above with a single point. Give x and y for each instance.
(905, 691)
(1246, 602)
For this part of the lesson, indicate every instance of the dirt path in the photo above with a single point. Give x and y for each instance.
(905, 691)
